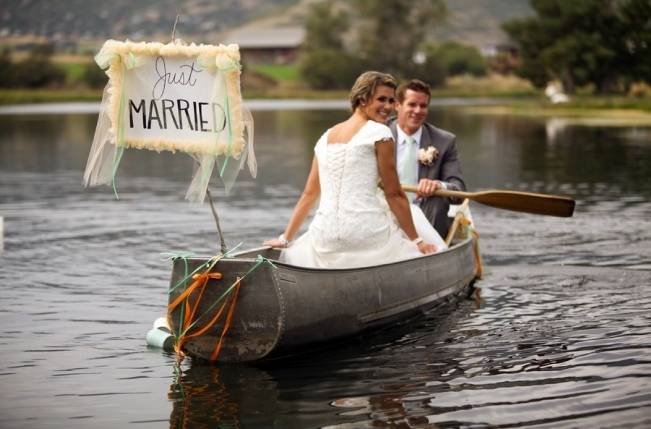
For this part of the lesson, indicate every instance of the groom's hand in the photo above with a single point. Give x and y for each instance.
(427, 187)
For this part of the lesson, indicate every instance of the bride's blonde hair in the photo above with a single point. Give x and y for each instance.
(365, 85)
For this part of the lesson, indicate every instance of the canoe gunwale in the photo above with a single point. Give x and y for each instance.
(338, 270)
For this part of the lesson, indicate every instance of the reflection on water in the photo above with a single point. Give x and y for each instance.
(561, 338)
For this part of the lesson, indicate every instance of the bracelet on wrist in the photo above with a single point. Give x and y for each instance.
(417, 240)
(283, 240)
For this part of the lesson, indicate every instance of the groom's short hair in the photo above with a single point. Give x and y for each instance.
(415, 85)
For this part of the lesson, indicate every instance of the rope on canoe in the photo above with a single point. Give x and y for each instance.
(479, 267)
(190, 300)
(463, 226)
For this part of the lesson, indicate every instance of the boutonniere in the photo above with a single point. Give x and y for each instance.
(428, 156)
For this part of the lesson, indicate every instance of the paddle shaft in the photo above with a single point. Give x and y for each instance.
(527, 202)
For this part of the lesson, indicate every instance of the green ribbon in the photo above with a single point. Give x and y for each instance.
(184, 257)
(206, 168)
(259, 261)
(230, 131)
(173, 256)
(209, 263)
(222, 64)
(131, 60)
(119, 150)
(105, 59)
(208, 266)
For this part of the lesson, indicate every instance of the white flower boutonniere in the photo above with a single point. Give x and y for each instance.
(428, 156)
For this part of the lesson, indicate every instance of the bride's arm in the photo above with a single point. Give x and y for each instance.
(310, 194)
(394, 194)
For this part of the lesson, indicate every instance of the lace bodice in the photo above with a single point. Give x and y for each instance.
(352, 213)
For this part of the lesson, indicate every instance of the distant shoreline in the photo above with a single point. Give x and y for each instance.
(255, 104)
(612, 108)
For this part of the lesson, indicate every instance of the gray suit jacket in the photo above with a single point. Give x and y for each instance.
(446, 168)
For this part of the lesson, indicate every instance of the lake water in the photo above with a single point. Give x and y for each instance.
(560, 338)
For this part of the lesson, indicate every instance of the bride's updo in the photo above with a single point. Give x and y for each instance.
(365, 85)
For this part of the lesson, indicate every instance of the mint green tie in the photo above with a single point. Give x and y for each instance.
(409, 166)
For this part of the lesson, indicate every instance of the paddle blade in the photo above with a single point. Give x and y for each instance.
(527, 202)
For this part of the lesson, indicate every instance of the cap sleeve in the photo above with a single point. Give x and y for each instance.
(377, 132)
(321, 143)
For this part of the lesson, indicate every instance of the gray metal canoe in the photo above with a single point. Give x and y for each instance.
(281, 309)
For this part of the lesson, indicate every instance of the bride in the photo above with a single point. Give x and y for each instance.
(357, 223)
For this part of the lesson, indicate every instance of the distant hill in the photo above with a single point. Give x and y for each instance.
(74, 21)
(478, 21)
(475, 22)
(69, 20)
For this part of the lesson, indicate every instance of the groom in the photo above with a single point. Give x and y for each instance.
(434, 167)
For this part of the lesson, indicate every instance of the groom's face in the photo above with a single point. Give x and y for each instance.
(412, 111)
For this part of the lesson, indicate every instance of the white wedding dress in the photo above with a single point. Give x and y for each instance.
(353, 226)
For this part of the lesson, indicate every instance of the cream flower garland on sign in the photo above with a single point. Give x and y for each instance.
(116, 56)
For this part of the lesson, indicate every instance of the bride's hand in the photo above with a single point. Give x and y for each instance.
(426, 248)
(275, 243)
(279, 242)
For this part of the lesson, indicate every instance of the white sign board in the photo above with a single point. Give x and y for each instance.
(176, 97)
(172, 99)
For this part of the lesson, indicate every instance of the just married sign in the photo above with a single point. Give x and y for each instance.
(175, 97)
(172, 97)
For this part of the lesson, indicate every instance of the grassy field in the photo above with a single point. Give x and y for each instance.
(74, 72)
(278, 72)
(579, 105)
(280, 81)
(48, 95)
(488, 86)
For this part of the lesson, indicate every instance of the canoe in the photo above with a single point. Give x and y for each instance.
(279, 309)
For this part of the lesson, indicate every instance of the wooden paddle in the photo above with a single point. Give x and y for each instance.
(527, 202)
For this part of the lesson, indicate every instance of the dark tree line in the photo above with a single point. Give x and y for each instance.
(38, 71)
(605, 43)
(388, 35)
(35, 71)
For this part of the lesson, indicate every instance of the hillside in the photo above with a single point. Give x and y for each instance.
(478, 21)
(69, 20)
(73, 21)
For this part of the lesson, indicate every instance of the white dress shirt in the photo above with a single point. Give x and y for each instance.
(402, 142)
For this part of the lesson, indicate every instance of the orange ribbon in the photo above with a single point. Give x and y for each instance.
(192, 305)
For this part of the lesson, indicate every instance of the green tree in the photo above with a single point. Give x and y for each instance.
(457, 58)
(603, 42)
(37, 70)
(391, 31)
(7, 76)
(325, 27)
(387, 35)
(93, 76)
(329, 69)
(429, 71)
(325, 63)
(635, 42)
